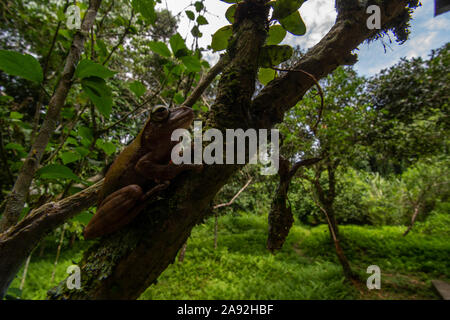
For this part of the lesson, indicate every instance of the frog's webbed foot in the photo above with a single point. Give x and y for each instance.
(160, 187)
(116, 211)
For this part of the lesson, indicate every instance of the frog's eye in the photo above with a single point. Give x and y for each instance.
(160, 113)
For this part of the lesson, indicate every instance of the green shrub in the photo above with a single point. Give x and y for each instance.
(385, 247)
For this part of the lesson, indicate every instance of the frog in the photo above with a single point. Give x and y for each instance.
(141, 171)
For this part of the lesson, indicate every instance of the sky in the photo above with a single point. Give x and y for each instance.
(427, 33)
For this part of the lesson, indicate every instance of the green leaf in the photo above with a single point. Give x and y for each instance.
(201, 20)
(190, 15)
(294, 24)
(146, 8)
(108, 147)
(178, 46)
(82, 151)
(57, 171)
(14, 146)
(83, 217)
(274, 55)
(21, 65)
(15, 115)
(86, 133)
(265, 75)
(99, 93)
(276, 35)
(87, 68)
(137, 88)
(199, 6)
(284, 8)
(221, 37)
(160, 48)
(178, 98)
(230, 13)
(6, 99)
(230, 1)
(192, 63)
(100, 44)
(196, 32)
(69, 157)
(13, 294)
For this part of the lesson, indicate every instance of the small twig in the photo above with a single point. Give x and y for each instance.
(229, 203)
(153, 96)
(319, 88)
(122, 38)
(216, 229)
(25, 272)
(58, 252)
(100, 25)
(64, 139)
(206, 81)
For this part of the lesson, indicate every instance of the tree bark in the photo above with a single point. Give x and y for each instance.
(182, 252)
(58, 252)
(325, 203)
(16, 199)
(17, 242)
(413, 219)
(280, 215)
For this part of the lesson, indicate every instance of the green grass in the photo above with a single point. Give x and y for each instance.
(306, 267)
(386, 247)
(242, 268)
(38, 280)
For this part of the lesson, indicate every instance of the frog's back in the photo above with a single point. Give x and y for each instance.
(121, 169)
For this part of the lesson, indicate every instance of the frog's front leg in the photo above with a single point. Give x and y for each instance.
(116, 211)
(148, 167)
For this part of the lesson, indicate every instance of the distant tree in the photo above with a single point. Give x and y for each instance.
(412, 101)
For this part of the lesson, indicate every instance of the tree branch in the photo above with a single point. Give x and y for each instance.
(21, 187)
(206, 81)
(17, 242)
(334, 50)
(122, 38)
(229, 203)
(280, 215)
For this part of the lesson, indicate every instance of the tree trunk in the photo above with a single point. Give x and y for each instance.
(325, 203)
(58, 252)
(25, 272)
(216, 229)
(182, 252)
(413, 219)
(333, 227)
(281, 218)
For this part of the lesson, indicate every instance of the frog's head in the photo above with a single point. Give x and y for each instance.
(163, 121)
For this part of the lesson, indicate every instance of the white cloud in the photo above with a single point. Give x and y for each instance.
(319, 17)
(420, 45)
(428, 32)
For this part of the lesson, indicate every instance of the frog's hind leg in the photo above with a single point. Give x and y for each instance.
(160, 187)
(116, 211)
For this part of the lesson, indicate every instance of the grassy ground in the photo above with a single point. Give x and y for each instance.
(306, 268)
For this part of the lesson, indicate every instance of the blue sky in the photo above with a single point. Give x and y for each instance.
(428, 32)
